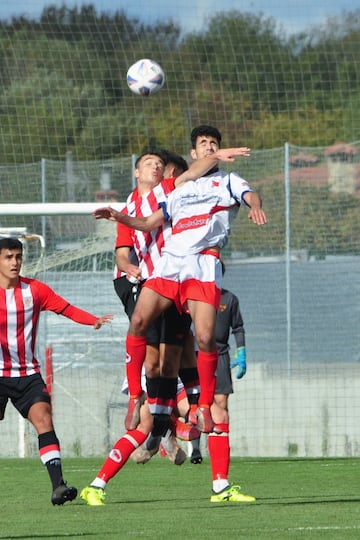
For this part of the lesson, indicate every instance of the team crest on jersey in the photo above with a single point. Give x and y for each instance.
(28, 301)
(215, 183)
(222, 307)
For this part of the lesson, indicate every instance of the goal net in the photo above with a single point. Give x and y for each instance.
(297, 281)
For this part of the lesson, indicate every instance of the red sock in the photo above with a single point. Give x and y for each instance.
(135, 356)
(120, 453)
(181, 394)
(219, 452)
(207, 364)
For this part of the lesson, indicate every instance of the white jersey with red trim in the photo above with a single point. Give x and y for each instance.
(148, 246)
(20, 308)
(201, 212)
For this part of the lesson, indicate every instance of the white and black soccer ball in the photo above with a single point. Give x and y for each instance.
(145, 77)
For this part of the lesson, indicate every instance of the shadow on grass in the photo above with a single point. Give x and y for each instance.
(259, 501)
(40, 535)
(314, 500)
(276, 501)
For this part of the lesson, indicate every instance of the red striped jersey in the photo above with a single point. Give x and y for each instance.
(20, 308)
(147, 246)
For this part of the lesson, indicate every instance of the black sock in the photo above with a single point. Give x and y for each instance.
(153, 442)
(161, 425)
(53, 465)
(190, 379)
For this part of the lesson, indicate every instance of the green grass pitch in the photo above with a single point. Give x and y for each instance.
(296, 498)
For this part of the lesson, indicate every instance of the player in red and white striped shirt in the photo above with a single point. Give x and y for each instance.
(21, 302)
(166, 336)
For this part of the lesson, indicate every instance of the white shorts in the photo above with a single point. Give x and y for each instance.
(192, 277)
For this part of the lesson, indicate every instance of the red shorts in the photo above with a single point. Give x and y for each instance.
(192, 277)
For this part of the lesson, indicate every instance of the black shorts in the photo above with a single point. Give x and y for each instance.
(170, 327)
(223, 373)
(127, 292)
(23, 392)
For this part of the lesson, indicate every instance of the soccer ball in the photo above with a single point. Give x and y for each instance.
(145, 77)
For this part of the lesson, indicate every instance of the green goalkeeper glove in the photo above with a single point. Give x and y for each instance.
(239, 362)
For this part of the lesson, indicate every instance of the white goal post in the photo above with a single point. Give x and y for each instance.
(54, 209)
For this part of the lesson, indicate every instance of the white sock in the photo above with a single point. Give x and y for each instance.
(168, 441)
(219, 485)
(98, 483)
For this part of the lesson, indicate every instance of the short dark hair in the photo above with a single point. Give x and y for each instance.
(10, 243)
(149, 153)
(207, 131)
(175, 159)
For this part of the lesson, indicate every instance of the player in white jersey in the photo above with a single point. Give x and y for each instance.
(148, 248)
(190, 276)
(21, 301)
(202, 310)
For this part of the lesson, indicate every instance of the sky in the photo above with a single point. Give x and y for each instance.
(191, 15)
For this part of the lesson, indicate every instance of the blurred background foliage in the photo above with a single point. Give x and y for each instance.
(63, 83)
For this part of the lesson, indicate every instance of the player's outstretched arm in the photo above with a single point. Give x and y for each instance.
(201, 166)
(145, 224)
(103, 320)
(81, 316)
(229, 154)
